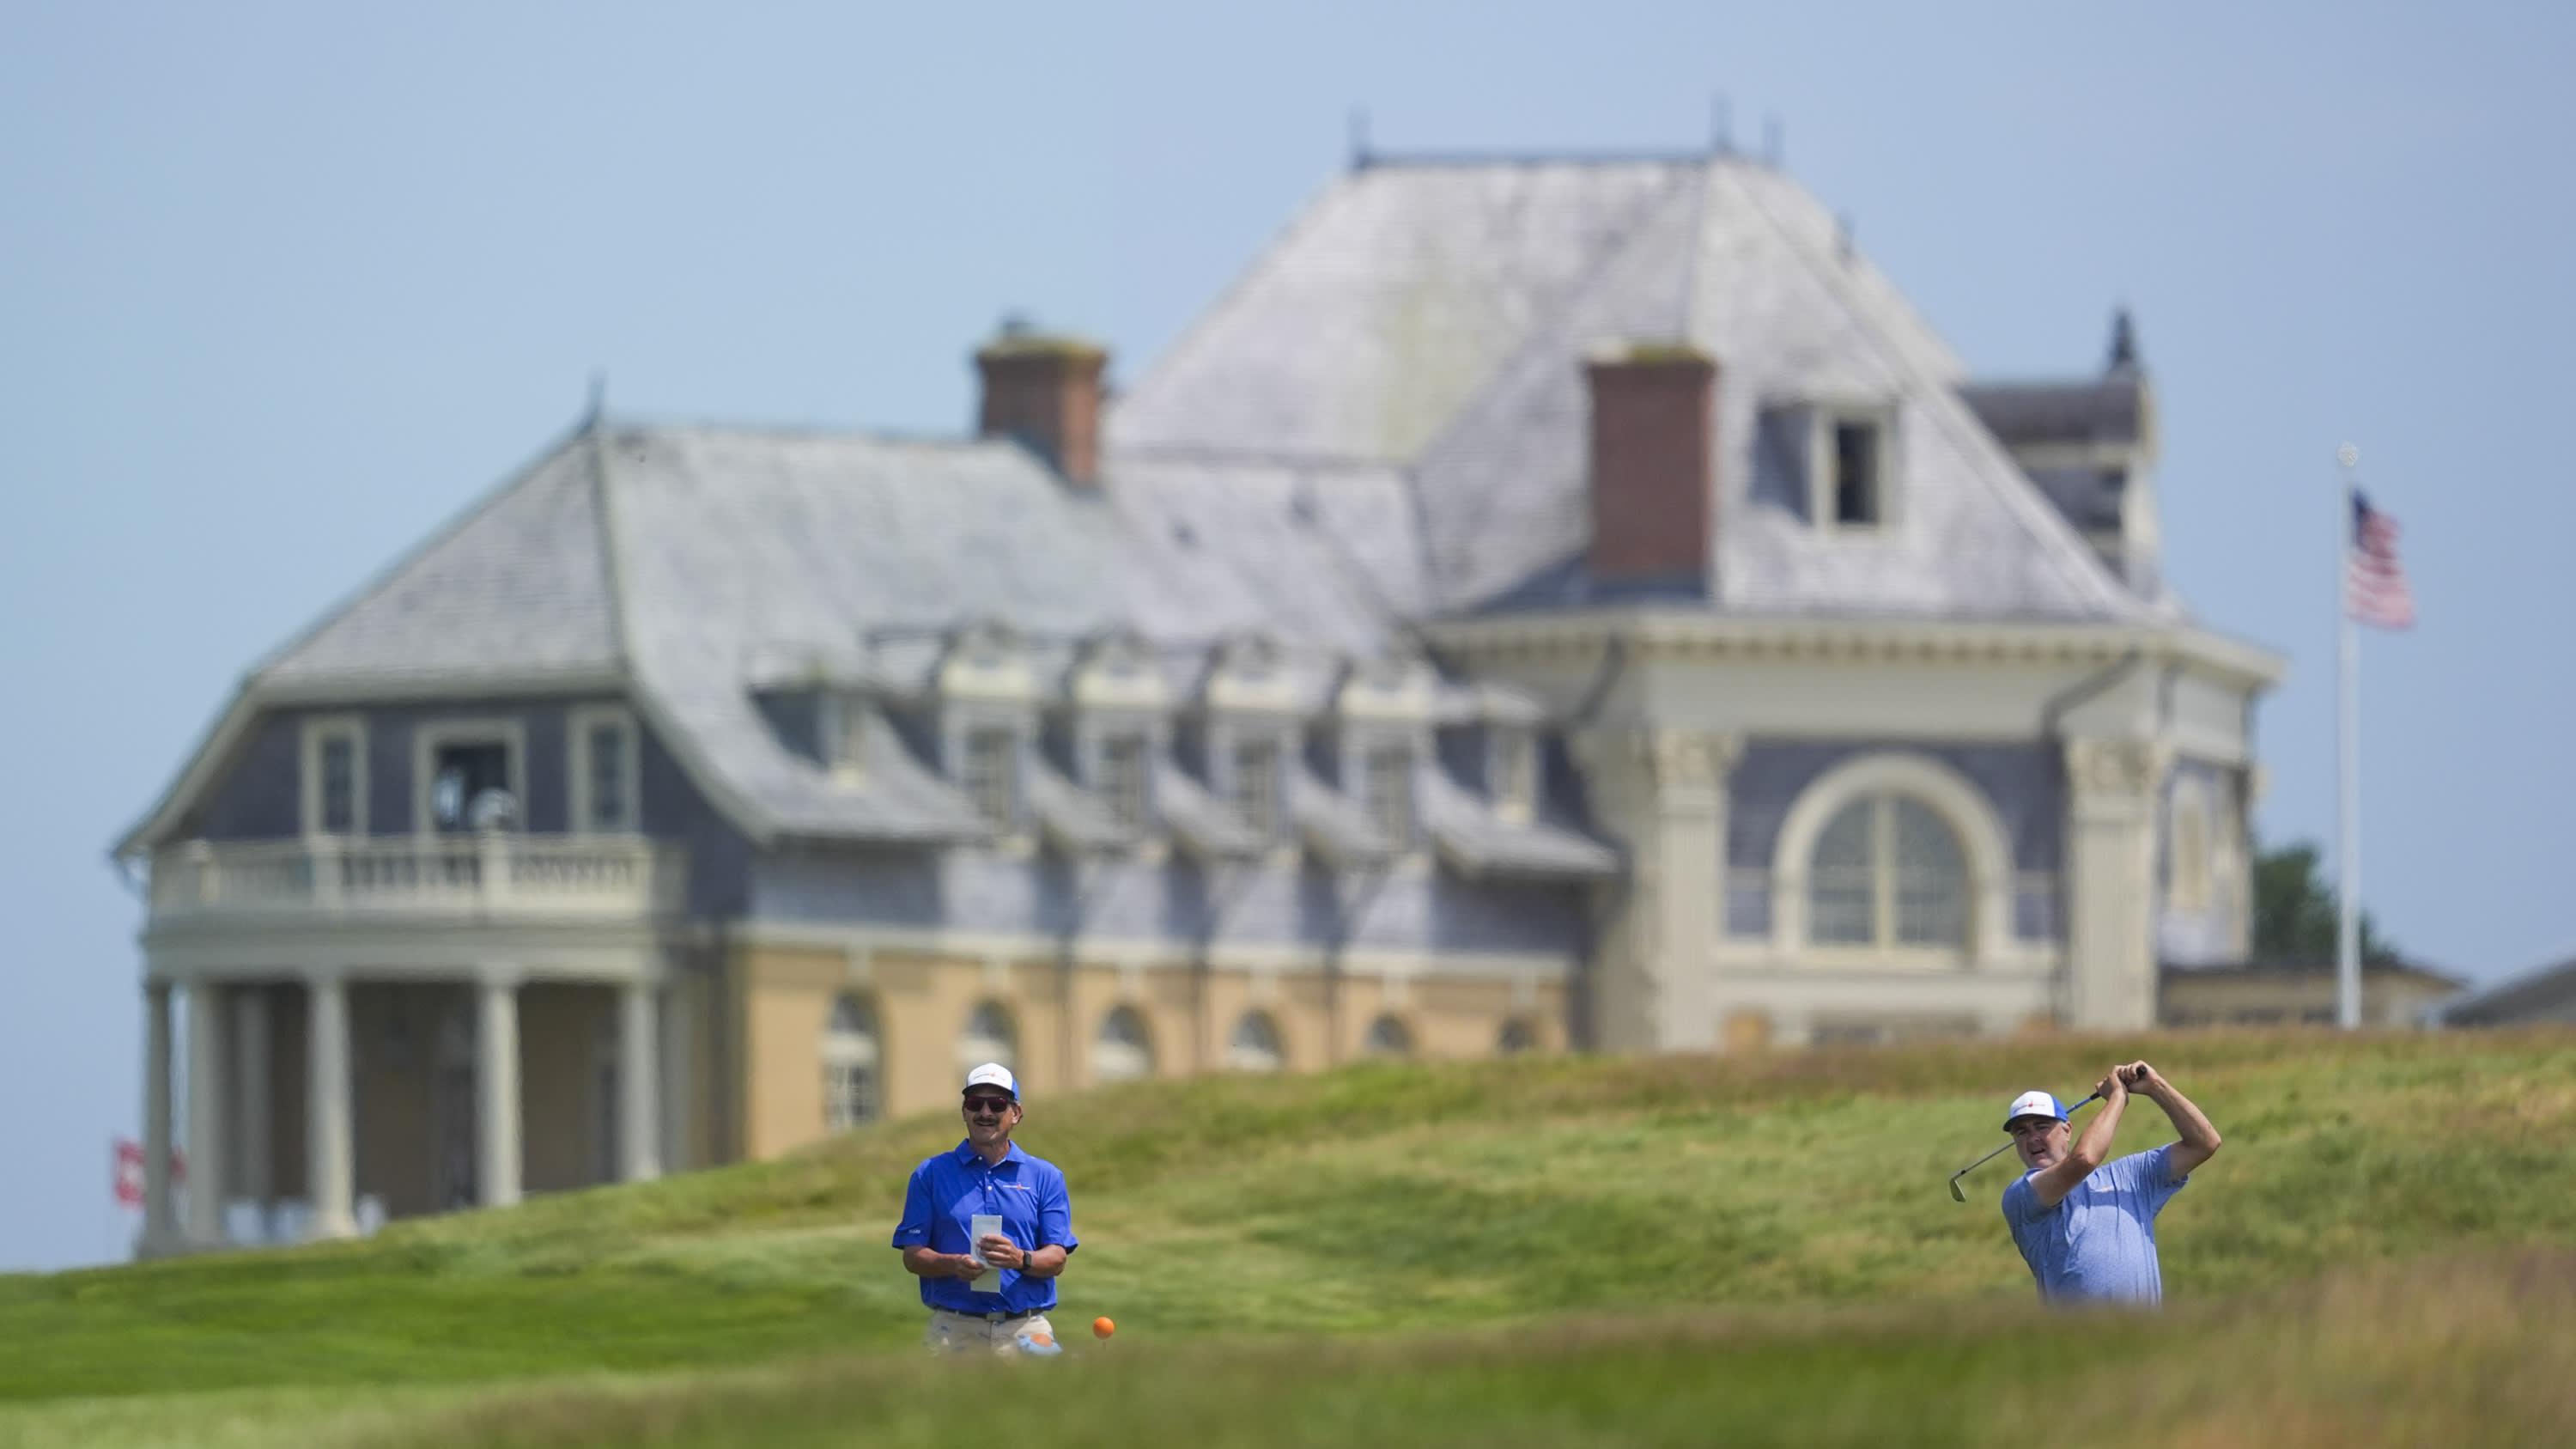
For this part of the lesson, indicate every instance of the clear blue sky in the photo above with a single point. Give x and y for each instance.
(281, 287)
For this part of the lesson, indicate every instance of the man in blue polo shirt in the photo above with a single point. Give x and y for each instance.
(990, 1292)
(2087, 1227)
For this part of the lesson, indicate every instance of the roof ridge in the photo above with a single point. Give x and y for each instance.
(1607, 156)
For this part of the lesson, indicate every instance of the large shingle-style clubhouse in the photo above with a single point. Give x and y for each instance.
(1541, 604)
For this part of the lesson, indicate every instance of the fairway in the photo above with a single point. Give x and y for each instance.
(1637, 1250)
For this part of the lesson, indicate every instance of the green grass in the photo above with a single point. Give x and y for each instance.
(1386, 1209)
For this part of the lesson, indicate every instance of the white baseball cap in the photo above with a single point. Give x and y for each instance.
(992, 1074)
(2034, 1104)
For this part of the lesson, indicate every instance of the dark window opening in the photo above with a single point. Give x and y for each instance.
(1856, 489)
(608, 777)
(470, 788)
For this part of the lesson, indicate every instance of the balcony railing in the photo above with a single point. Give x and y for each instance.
(492, 874)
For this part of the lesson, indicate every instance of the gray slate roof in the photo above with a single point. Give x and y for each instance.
(1432, 318)
(1381, 423)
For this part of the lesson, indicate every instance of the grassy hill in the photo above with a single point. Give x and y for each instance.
(1386, 1237)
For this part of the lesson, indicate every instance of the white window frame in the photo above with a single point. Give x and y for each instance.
(1103, 1048)
(317, 731)
(841, 735)
(1137, 811)
(1961, 805)
(1240, 1058)
(580, 725)
(848, 1052)
(1366, 753)
(431, 736)
(1514, 772)
(973, 1051)
(1227, 757)
(969, 732)
(1823, 420)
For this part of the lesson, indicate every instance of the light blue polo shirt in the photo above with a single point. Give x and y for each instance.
(2099, 1243)
(946, 1193)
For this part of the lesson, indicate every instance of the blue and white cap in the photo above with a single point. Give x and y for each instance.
(993, 1074)
(2034, 1104)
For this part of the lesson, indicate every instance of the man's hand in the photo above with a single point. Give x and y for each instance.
(965, 1267)
(2113, 1087)
(1001, 1252)
(2141, 1078)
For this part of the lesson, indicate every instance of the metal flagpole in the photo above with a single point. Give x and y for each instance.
(2347, 763)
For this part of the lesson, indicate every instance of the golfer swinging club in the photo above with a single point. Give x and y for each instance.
(987, 1229)
(2086, 1227)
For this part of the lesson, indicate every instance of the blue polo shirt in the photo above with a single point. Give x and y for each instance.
(949, 1190)
(2099, 1241)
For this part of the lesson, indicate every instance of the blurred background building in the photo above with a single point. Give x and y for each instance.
(1543, 602)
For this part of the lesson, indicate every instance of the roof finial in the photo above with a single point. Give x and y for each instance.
(1721, 125)
(1360, 157)
(598, 400)
(2124, 342)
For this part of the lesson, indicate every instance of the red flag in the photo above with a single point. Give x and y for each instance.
(129, 1173)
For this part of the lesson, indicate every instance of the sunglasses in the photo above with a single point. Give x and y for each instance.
(994, 1105)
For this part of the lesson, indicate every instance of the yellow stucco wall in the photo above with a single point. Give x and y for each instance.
(783, 998)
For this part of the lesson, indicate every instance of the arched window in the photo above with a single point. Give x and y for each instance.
(850, 1066)
(988, 1038)
(2187, 863)
(1388, 1040)
(1515, 1038)
(1887, 873)
(1123, 1051)
(1255, 1045)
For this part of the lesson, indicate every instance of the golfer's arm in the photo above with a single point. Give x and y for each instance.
(2090, 1149)
(922, 1261)
(1046, 1262)
(2199, 1140)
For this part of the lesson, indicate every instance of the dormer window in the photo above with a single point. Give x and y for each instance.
(1388, 780)
(1514, 781)
(1120, 779)
(1252, 787)
(1852, 468)
(841, 735)
(989, 772)
(1856, 480)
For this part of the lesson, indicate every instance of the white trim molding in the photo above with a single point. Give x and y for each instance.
(1961, 806)
(579, 724)
(318, 732)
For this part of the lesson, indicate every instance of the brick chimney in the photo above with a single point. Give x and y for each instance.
(1045, 392)
(1654, 457)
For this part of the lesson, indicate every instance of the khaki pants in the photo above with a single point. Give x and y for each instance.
(970, 1332)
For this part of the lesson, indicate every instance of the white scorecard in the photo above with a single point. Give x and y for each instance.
(978, 1228)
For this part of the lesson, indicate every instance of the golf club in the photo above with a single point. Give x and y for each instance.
(1960, 1194)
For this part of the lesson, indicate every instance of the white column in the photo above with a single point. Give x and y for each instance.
(328, 1154)
(252, 1155)
(639, 1084)
(496, 1085)
(1661, 792)
(207, 1107)
(160, 1222)
(2110, 868)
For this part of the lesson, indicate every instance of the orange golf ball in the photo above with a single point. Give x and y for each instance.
(1102, 1328)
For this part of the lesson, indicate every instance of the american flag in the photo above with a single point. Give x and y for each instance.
(2374, 587)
